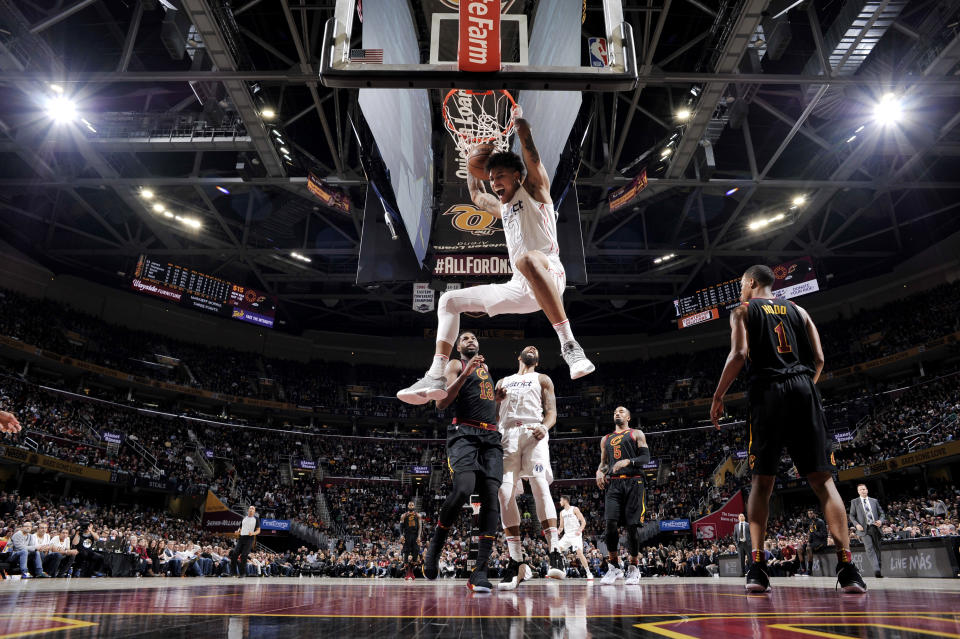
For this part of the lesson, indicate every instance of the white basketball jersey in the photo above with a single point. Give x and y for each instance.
(523, 403)
(529, 225)
(571, 525)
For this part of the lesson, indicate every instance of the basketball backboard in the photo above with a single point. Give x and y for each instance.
(470, 45)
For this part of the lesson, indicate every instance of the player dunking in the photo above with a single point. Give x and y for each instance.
(572, 524)
(780, 345)
(527, 410)
(411, 526)
(622, 456)
(474, 455)
(530, 228)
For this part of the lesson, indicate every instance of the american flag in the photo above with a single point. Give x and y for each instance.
(367, 56)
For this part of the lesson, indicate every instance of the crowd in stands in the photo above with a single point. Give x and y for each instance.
(869, 334)
(251, 464)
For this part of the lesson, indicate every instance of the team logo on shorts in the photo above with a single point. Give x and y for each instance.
(473, 220)
(753, 458)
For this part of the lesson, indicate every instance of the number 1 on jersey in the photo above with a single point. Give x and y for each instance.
(784, 345)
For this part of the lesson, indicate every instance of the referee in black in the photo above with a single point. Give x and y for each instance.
(248, 531)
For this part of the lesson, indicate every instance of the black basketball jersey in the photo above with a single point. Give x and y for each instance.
(622, 446)
(475, 402)
(779, 346)
(410, 524)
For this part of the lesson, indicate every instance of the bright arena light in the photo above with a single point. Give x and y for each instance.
(61, 109)
(683, 115)
(268, 114)
(146, 194)
(888, 110)
(799, 200)
(158, 207)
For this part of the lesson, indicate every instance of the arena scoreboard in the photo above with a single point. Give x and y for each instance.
(793, 279)
(193, 289)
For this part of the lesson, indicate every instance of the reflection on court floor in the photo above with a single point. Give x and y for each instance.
(374, 608)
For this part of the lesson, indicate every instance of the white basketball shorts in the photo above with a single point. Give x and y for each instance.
(516, 296)
(524, 456)
(571, 543)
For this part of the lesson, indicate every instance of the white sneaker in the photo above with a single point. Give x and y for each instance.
(611, 577)
(425, 389)
(633, 576)
(575, 358)
(589, 576)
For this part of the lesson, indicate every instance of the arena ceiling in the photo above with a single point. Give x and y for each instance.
(856, 192)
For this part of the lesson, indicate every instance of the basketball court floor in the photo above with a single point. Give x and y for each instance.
(355, 608)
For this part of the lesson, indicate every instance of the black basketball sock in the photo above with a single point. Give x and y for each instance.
(484, 548)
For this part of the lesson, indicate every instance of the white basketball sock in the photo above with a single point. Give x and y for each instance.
(515, 549)
(437, 367)
(551, 534)
(564, 331)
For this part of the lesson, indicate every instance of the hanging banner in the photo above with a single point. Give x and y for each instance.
(627, 194)
(464, 227)
(720, 523)
(497, 266)
(422, 297)
(331, 196)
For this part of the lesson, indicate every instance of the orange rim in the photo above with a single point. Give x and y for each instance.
(475, 140)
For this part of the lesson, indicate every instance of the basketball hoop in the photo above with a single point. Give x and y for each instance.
(476, 507)
(478, 117)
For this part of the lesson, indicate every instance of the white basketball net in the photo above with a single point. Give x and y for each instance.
(474, 118)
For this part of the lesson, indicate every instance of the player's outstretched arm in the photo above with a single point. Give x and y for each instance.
(739, 348)
(814, 336)
(486, 201)
(537, 182)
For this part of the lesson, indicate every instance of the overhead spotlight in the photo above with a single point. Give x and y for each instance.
(275, 132)
(851, 139)
(285, 150)
(56, 88)
(761, 223)
(860, 128)
(732, 191)
(268, 113)
(665, 153)
(683, 115)
(61, 109)
(298, 256)
(222, 190)
(167, 214)
(799, 200)
(158, 207)
(88, 125)
(665, 258)
(189, 221)
(146, 194)
(888, 110)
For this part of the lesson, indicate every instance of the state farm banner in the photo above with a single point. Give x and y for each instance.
(422, 297)
(720, 523)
